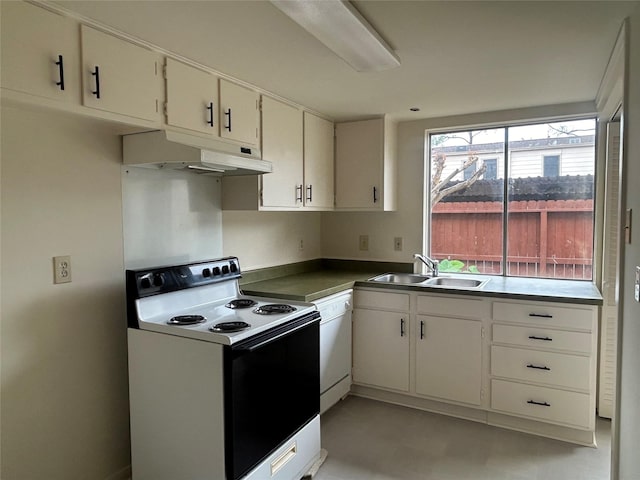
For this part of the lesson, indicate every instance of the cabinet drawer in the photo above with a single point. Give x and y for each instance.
(453, 306)
(398, 302)
(541, 337)
(563, 370)
(547, 404)
(547, 314)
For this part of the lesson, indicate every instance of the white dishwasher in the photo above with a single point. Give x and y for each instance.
(335, 347)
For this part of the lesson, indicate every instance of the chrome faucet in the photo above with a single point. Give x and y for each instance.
(429, 262)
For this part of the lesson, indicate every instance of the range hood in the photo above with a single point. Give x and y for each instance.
(180, 151)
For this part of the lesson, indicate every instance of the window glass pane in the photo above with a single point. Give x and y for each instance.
(467, 200)
(550, 200)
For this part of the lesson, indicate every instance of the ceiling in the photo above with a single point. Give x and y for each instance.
(456, 57)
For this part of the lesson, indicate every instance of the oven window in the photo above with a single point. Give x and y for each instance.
(270, 393)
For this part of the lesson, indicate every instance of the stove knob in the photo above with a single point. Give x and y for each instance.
(145, 282)
(206, 272)
(225, 269)
(158, 280)
(216, 271)
(234, 267)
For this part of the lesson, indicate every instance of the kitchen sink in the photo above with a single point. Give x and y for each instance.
(401, 278)
(456, 282)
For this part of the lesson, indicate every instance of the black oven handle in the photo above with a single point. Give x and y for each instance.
(270, 336)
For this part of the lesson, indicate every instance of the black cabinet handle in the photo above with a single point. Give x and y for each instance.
(541, 315)
(228, 115)
(309, 193)
(60, 64)
(298, 193)
(542, 404)
(96, 73)
(537, 367)
(546, 339)
(210, 108)
(402, 327)
(375, 194)
(421, 329)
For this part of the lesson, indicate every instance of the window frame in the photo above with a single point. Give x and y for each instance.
(427, 224)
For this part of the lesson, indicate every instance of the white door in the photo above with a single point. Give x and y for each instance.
(282, 146)
(40, 52)
(318, 162)
(239, 113)
(118, 76)
(192, 98)
(449, 358)
(381, 349)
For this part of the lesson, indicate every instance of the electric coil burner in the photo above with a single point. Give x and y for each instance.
(230, 326)
(241, 303)
(274, 309)
(186, 320)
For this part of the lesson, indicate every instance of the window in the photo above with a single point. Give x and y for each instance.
(550, 165)
(469, 171)
(491, 172)
(512, 221)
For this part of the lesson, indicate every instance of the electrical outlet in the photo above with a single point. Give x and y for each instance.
(62, 269)
(397, 244)
(364, 242)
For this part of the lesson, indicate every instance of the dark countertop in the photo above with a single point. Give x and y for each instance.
(308, 286)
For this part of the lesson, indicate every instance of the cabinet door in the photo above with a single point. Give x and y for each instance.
(239, 113)
(119, 77)
(359, 160)
(192, 98)
(282, 146)
(318, 162)
(449, 358)
(40, 52)
(381, 349)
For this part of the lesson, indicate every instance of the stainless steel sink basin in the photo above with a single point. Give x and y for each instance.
(456, 282)
(401, 278)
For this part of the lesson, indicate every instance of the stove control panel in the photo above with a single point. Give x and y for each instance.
(152, 281)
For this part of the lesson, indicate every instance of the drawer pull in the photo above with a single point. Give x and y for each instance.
(537, 367)
(541, 315)
(546, 339)
(542, 404)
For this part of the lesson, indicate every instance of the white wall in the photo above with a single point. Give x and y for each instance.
(64, 359)
(629, 393)
(266, 239)
(341, 230)
(170, 217)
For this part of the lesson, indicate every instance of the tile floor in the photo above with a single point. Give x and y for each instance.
(371, 440)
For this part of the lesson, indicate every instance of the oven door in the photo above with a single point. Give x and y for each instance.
(272, 390)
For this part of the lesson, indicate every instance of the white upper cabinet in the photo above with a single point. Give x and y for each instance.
(40, 52)
(119, 77)
(365, 165)
(192, 98)
(239, 114)
(282, 146)
(318, 163)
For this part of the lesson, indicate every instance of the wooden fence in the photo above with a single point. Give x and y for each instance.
(546, 238)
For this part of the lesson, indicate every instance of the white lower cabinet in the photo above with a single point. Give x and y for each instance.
(449, 358)
(524, 365)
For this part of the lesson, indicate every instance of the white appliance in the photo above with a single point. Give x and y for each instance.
(219, 389)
